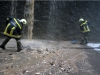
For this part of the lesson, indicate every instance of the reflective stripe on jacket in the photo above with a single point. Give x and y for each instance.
(13, 29)
(84, 27)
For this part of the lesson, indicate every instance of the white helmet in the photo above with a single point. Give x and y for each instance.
(23, 21)
(81, 19)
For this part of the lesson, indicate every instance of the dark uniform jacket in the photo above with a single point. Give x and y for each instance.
(13, 28)
(84, 27)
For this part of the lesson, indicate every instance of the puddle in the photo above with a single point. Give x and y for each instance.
(96, 46)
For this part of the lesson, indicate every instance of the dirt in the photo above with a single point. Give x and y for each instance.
(46, 57)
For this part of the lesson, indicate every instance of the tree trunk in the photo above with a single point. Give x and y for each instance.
(29, 13)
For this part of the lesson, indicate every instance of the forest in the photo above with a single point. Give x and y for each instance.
(55, 20)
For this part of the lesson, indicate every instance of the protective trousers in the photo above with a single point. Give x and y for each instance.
(84, 39)
(19, 45)
(4, 43)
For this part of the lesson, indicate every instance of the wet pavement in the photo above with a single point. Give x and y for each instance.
(46, 57)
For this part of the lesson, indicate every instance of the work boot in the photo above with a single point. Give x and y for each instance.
(19, 47)
(2, 47)
(4, 43)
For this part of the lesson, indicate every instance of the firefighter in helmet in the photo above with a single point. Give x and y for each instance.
(13, 29)
(84, 28)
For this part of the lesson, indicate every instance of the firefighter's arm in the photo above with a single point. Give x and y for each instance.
(9, 18)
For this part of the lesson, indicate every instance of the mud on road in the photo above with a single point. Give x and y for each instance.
(45, 57)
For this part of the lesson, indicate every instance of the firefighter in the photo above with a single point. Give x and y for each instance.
(13, 30)
(84, 28)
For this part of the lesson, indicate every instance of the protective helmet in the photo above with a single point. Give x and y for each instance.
(81, 19)
(23, 21)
